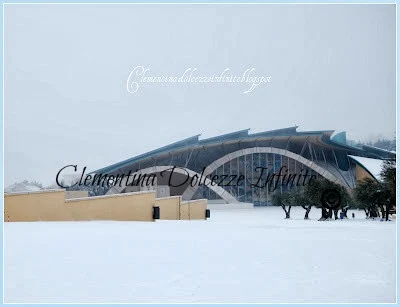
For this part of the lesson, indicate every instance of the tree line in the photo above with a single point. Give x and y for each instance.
(376, 197)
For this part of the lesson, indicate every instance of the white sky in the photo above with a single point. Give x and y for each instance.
(66, 66)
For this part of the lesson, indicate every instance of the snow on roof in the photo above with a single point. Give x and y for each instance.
(373, 166)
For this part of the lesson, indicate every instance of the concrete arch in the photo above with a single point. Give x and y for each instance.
(190, 191)
(221, 192)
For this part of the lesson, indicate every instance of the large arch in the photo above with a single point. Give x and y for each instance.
(190, 191)
(221, 192)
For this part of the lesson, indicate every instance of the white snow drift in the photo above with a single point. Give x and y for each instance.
(251, 255)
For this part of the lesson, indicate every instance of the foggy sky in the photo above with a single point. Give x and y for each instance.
(66, 68)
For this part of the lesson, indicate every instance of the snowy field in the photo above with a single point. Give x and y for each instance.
(251, 255)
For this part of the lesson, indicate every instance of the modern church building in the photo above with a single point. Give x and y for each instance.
(246, 167)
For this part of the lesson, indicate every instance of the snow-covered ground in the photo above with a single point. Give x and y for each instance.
(248, 255)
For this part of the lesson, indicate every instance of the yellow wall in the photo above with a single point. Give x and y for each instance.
(184, 211)
(193, 209)
(51, 205)
(169, 207)
(36, 206)
(136, 206)
(198, 209)
(76, 194)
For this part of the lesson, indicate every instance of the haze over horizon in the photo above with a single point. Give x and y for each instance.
(332, 67)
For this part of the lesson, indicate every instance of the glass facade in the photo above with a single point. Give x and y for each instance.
(261, 178)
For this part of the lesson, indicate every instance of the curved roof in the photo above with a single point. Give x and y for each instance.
(372, 166)
(322, 137)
